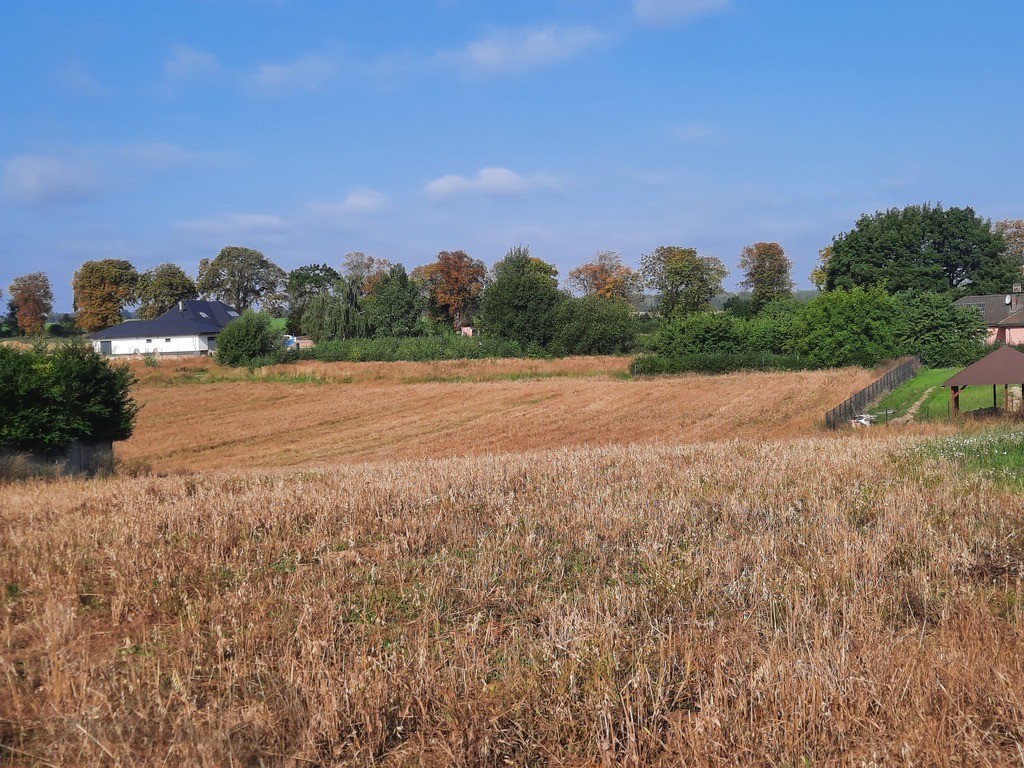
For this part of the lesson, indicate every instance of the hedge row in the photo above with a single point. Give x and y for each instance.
(710, 363)
(416, 349)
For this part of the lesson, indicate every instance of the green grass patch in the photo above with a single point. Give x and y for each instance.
(997, 454)
(936, 406)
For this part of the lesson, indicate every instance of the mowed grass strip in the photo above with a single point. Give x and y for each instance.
(270, 423)
(802, 602)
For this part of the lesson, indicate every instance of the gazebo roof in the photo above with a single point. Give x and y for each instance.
(1004, 366)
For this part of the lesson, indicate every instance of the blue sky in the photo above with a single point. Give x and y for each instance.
(162, 131)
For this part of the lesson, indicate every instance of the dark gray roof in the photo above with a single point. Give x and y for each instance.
(994, 309)
(194, 318)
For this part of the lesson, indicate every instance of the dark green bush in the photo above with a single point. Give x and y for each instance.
(716, 363)
(250, 340)
(416, 349)
(594, 325)
(52, 398)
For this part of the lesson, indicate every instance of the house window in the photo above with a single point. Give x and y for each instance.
(168, 341)
(149, 341)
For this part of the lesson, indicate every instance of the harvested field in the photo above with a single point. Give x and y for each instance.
(316, 414)
(825, 601)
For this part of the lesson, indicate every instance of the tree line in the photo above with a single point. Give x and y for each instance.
(917, 251)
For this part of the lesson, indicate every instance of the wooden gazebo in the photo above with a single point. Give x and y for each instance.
(1004, 366)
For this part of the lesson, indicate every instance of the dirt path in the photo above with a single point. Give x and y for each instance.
(913, 409)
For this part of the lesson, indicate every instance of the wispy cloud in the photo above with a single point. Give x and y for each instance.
(663, 12)
(360, 201)
(74, 77)
(693, 132)
(228, 225)
(489, 181)
(307, 73)
(43, 179)
(512, 51)
(186, 62)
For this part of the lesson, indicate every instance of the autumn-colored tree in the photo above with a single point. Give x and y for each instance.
(819, 274)
(32, 295)
(766, 273)
(241, 277)
(101, 290)
(365, 270)
(605, 276)
(453, 286)
(161, 287)
(685, 282)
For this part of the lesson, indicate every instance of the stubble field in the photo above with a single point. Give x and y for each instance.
(781, 597)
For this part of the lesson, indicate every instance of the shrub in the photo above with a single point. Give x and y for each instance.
(701, 333)
(53, 398)
(415, 349)
(249, 340)
(716, 363)
(595, 325)
(855, 327)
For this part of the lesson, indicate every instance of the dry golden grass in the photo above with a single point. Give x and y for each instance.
(450, 409)
(803, 602)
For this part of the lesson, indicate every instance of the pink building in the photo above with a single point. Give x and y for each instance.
(1003, 315)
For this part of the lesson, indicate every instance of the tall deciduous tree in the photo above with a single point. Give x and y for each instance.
(395, 306)
(522, 303)
(241, 277)
(1012, 231)
(685, 282)
(605, 276)
(303, 284)
(819, 275)
(453, 285)
(161, 287)
(766, 273)
(101, 290)
(924, 249)
(364, 269)
(32, 295)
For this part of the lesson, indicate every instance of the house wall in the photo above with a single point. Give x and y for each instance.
(173, 345)
(1014, 335)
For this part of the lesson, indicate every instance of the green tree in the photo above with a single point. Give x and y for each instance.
(941, 334)
(303, 284)
(240, 277)
(395, 307)
(859, 326)
(522, 302)
(55, 397)
(595, 325)
(923, 249)
(766, 273)
(249, 340)
(32, 296)
(774, 329)
(330, 317)
(161, 287)
(685, 282)
(101, 290)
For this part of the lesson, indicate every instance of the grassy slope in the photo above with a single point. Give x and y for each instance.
(936, 407)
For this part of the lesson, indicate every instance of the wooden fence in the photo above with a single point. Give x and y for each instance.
(854, 406)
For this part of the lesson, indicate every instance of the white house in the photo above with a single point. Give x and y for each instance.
(190, 328)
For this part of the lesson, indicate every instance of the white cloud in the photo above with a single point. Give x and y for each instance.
(236, 224)
(522, 50)
(489, 181)
(186, 62)
(44, 179)
(660, 12)
(308, 73)
(358, 201)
